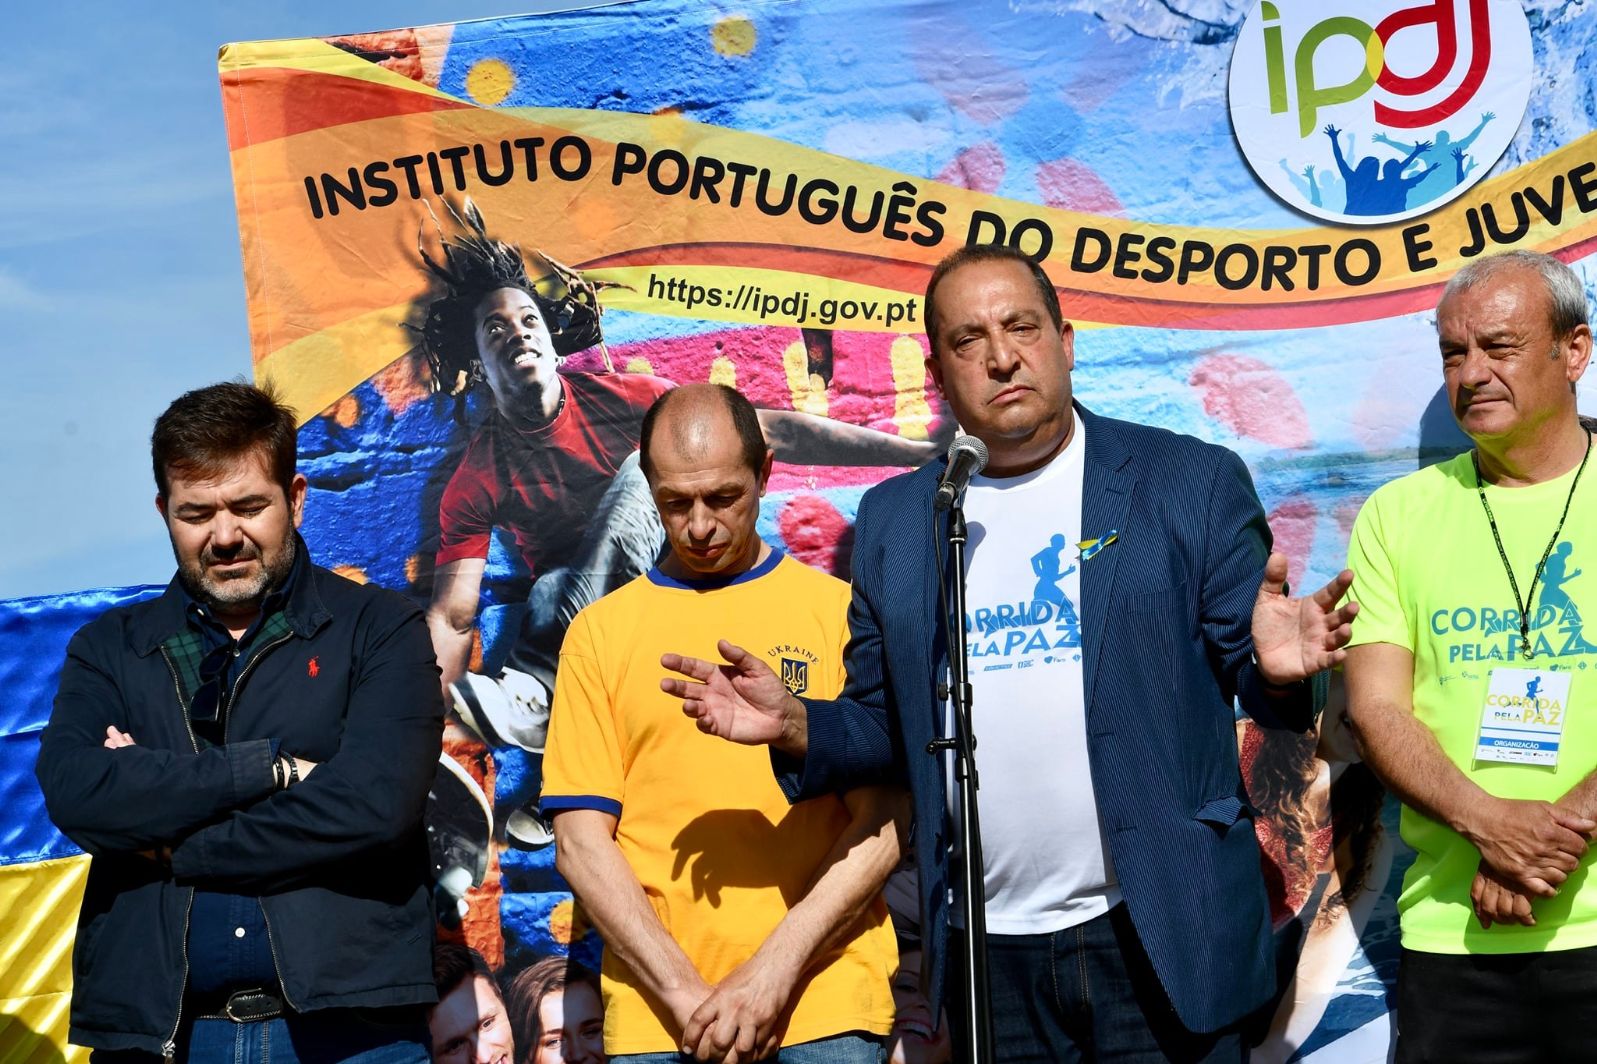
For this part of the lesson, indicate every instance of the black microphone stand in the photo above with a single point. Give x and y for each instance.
(978, 999)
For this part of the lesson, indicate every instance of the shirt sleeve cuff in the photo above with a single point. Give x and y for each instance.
(558, 803)
(251, 762)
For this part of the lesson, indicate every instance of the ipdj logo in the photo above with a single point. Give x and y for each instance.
(1373, 111)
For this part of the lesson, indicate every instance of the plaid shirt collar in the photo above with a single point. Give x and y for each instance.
(203, 635)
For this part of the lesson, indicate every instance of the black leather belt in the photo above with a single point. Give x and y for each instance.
(241, 1006)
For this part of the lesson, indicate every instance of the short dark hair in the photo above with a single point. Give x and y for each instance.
(988, 253)
(745, 421)
(524, 997)
(208, 428)
(453, 964)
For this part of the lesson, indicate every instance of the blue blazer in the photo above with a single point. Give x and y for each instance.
(1166, 612)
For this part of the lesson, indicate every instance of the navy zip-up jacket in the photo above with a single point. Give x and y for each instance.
(339, 861)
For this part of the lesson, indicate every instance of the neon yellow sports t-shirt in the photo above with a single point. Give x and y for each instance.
(719, 850)
(1428, 578)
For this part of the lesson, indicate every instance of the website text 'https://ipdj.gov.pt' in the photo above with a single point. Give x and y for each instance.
(794, 305)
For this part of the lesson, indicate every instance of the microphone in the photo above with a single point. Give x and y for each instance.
(967, 456)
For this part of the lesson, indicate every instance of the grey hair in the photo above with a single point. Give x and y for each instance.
(1564, 289)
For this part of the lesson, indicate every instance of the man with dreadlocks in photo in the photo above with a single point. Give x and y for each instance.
(555, 465)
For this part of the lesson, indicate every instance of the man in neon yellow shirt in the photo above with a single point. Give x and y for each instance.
(1471, 680)
(736, 927)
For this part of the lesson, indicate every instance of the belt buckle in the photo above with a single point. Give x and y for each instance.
(250, 1006)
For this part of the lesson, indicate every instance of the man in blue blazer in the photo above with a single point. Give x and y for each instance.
(1125, 906)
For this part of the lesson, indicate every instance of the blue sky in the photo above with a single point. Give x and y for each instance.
(120, 281)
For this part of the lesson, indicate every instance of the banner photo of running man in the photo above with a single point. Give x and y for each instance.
(475, 253)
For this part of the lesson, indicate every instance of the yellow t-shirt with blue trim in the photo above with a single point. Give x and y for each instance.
(1427, 577)
(720, 852)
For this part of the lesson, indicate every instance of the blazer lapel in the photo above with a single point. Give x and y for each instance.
(1105, 502)
(907, 545)
(937, 648)
(932, 527)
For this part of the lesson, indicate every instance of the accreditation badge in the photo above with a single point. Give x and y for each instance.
(1523, 718)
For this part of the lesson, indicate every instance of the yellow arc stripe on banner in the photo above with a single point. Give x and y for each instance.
(615, 126)
(1447, 229)
(285, 244)
(315, 371)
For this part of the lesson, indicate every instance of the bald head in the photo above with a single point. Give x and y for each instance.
(707, 466)
(695, 421)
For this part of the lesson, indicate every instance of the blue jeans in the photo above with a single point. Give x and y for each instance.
(843, 1049)
(1087, 993)
(358, 1036)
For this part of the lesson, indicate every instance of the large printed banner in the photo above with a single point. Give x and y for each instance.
(1248, 208)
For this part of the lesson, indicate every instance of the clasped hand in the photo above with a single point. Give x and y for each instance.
(1528, 849)
(738, 1020)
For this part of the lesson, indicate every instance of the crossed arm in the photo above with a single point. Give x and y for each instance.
(218, 811)
(1527, 848)
(740, 1019)
(110, 800)
(117, 739)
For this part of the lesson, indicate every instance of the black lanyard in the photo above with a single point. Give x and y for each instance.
(1524, 606)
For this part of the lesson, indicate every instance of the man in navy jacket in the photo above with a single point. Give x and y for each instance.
(1124, 900)
(247, 758)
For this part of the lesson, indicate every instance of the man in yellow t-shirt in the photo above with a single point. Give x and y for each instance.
(1472, 680)
(736, 927)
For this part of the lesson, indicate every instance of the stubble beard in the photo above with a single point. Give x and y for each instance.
(227, 595)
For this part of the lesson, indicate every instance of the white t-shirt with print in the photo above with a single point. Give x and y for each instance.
(1047, 865)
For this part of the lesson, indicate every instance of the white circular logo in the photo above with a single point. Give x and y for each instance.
(1369, 111)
